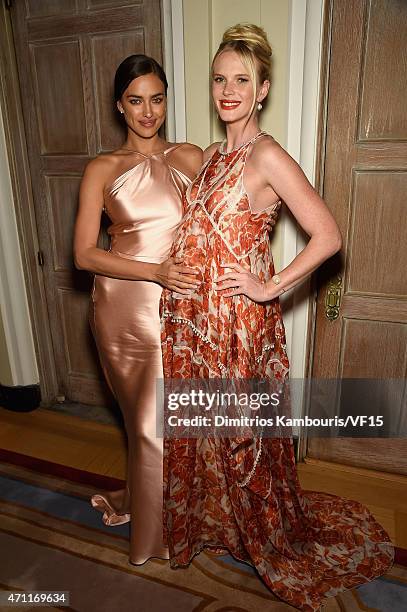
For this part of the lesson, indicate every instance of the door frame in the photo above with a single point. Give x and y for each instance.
(320, 132)
(306, 128)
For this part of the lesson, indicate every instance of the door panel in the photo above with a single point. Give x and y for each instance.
(107, 51)
(52, 86)
(382, 113)
(67, 53)
(365, 182)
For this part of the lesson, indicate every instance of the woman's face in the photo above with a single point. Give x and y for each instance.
(232, 89)
(144, 104)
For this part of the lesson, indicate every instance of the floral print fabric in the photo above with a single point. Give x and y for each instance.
(221, 492)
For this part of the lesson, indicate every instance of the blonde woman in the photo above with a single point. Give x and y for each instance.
(222, 493)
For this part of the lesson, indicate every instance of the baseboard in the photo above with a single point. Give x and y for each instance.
(21, 398)
(61, 471)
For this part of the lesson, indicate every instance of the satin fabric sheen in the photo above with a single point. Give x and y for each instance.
(145, 207)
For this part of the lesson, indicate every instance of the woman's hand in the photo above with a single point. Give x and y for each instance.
(243, 282)
(173, 275)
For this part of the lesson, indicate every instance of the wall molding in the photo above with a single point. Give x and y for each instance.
(302, 120)
(174, 66)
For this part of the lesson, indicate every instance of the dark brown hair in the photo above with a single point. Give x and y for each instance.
(135, 66)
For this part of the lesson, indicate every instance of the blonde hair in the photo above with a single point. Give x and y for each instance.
(250, 42)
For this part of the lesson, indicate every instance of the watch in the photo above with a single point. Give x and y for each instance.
(277, 280)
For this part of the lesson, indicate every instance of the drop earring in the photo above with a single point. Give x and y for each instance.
(259, 106)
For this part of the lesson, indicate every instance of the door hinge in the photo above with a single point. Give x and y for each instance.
(40, 256)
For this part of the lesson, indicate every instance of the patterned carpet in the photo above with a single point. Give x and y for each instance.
(51, 539)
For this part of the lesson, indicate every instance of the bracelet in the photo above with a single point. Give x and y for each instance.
(281, 288)
(276, 280)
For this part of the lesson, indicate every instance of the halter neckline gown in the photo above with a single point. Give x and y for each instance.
(145, 207)
(218, 492)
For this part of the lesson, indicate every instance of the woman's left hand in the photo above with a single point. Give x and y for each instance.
(243, 282)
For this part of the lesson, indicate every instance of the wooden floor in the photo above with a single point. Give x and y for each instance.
(101, 449)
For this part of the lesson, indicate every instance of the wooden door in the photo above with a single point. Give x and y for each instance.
(365, 185)
(67, 53)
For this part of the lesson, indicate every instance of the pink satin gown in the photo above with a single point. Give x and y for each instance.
(145, 207)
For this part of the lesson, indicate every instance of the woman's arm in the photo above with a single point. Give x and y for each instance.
(88, 256)
(280, 171)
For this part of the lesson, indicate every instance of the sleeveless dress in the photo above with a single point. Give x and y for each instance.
(219, 492)
(145, 207)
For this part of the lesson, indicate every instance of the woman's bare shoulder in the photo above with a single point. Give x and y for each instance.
(188, 157)
(209, 151)
(105, 162)
(267, 150)
(187, 148)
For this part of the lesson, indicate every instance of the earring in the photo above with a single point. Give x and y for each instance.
(259, 106)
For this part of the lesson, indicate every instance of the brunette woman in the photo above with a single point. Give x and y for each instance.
(140, 187)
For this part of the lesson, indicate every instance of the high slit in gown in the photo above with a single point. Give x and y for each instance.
(223, 492)
(145, 207)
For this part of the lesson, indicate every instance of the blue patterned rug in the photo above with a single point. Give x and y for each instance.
(52, 539)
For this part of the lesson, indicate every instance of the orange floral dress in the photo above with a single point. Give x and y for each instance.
(221, 492)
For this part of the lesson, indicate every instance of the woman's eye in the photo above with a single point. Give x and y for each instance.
(243, 80)
(158, 100)
(218, 79)
(134, 101)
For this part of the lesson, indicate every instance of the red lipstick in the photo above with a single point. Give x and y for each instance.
(229, 104)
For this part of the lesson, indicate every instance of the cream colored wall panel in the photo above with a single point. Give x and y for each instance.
(275, 15)
(233, 11)
(197, 26)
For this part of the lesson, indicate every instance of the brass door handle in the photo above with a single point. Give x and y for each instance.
(333, 298)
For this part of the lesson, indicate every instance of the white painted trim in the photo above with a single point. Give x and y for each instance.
(173, 36)
(13, 297)
(305, 52)
(168, 65)
(293, 140)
